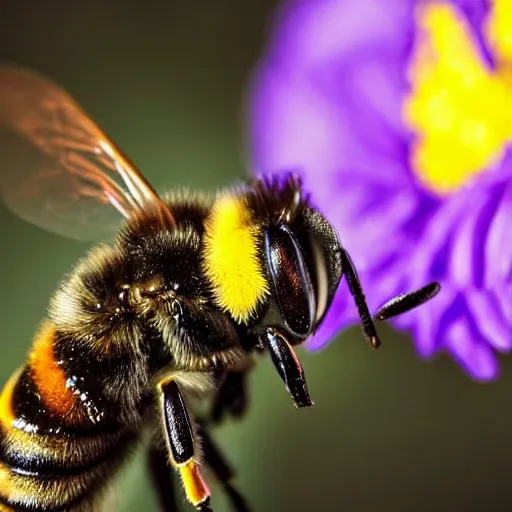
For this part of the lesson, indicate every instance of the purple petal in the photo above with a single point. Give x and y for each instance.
(458, 240)
(328, 101)
(339, 315)
(429, 321)
(477, 359)
(335, 69)
(476, 13)
(491, 320)
(307, 33)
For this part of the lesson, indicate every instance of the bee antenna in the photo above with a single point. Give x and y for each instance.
(356, 290)
(407, 301)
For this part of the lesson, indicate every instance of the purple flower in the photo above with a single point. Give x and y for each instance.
(398, 117)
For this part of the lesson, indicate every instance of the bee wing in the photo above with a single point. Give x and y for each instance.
(58, 169)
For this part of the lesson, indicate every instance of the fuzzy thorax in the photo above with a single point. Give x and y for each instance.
(232, 247)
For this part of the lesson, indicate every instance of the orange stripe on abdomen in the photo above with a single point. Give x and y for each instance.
(49, 378)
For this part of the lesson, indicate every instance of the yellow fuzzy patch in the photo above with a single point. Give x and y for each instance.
(231, 258)
(460, 109)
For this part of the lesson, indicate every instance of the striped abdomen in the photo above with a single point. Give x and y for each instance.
(58, 443)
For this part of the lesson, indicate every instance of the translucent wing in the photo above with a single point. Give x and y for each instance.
(58, 169)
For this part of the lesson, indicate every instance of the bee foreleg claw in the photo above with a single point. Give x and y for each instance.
(289, 368)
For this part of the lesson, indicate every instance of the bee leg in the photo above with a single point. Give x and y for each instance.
(288, 366)
(231, 397)
(223, 472)
(180, 443)
(159, 468)
(356, 290)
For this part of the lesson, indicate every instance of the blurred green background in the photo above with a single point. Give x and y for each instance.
(166, 81)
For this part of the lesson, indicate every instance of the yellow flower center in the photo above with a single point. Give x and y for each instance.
(499, 31)
(460, 109)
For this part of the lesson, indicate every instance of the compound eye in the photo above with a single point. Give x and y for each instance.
(290, 281)
(321, 277)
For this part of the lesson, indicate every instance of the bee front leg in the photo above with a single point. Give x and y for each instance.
(180, 441)
(288, 367)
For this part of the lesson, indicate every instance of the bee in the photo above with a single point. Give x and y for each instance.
(152, 336)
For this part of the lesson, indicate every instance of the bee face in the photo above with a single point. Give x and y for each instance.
(304, 268)
(272, 259)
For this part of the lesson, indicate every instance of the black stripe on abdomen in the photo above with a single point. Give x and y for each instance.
(46, 464)
(40, 478)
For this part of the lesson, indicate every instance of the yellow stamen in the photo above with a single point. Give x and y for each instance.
(460, 110)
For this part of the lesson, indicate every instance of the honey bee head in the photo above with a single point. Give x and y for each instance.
(271, 258)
